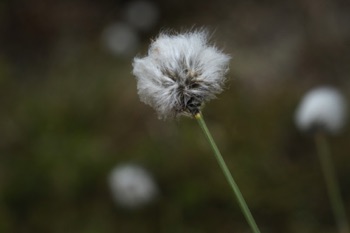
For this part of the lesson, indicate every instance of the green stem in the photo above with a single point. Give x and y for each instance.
(243, 205)
(331, 182)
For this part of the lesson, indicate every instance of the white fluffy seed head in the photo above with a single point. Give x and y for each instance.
(132, 186)
(180, 73)
(322, 108)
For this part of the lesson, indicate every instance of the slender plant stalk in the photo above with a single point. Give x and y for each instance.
(243, 205)
(327, 166)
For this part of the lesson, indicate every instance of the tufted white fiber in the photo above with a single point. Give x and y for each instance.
(323, 108)
(132, 186)
(180, 73)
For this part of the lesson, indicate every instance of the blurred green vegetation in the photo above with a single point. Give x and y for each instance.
(70, 113)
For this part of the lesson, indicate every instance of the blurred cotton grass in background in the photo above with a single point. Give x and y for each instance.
(142, 15)
(322, 112)
(181, 72)
(122, 37)
(132, 186)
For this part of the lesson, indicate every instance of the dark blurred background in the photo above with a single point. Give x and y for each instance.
(70, 113)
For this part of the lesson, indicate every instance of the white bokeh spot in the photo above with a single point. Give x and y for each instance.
(324, 107)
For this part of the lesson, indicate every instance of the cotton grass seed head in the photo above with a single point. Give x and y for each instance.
(323, 108)
(132, 186)
(180, 73)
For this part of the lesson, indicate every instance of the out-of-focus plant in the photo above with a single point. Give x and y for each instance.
(322, 112)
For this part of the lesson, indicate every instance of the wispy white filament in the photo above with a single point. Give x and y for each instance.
(132, 186)
(180, 73)
(322, 108)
